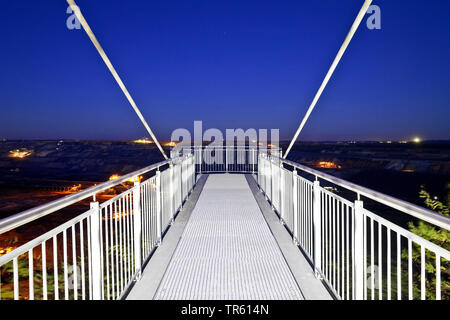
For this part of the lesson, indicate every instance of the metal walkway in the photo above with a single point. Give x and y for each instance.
(227, 250)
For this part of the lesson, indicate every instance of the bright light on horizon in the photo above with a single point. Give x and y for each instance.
(417, 140)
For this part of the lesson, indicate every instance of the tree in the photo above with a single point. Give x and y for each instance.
(440, 237)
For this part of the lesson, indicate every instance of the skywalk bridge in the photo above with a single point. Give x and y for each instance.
(228, 223)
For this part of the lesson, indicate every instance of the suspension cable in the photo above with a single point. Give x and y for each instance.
(339, 55)
(108, 63)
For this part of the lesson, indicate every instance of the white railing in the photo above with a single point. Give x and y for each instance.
(99, 253)
(359, 254)
(219, 158)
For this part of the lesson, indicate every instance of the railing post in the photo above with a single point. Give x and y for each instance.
(171, 194)
(295, 205)
(269, 175)
(96, 253)
(359, 250)
(226, 158)
(199, 158)
(158, 207)
(317, 221)
(254, 159)
(281, 193)
(137, 224)
(193, 181)
(272, 183)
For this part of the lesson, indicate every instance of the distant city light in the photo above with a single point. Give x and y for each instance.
(114, 177)
(20, 153)
(134, 179)
(143, 141)
(76, 188)
(170, 144)
(417, 140)
(6, 250)
(328, 165)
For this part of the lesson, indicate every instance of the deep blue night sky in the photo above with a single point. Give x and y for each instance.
(229, 63)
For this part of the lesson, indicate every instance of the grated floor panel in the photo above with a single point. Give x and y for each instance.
(227, 251)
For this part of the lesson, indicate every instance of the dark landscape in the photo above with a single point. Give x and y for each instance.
(36, 172)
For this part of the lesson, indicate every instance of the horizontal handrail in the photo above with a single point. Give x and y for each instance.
(24, 217)
(416, 211)
(46, 236)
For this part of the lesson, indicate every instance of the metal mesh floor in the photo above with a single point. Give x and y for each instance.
(227, 251)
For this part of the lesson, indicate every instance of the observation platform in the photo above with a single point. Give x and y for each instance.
(227, 244)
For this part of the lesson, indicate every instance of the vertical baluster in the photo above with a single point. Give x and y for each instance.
(333, 241)
(107, 252)
(353, 246)
(399, 270)
(16, 278)
(438, 277)
(102, 246)
(359, 235)
(111, 251)
(125, 240)
(121, 251)
(388, 261)
(295, 205)
(317, 228)
(325, 245)
(88, 231)
(30, 274)
(323, 231)
(44, 270)
(342, 262)
(365, 256)
(129, 274)
(116, 245)
(146, 215)
(372, 259)
(55, 267)
(422, 273)
(410, 275)
(97, 274)
(137, 228)
(74, 265)
(306, 212)
(338, 262)
(347, 251)
(171, 193)
(158, 207)
(66, 275)
(380, 263)
(83, 277)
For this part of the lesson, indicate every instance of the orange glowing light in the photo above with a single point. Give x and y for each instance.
(170, 144)
(328, 165)
(20, 153)
(114, 177)
(136, 179)
(143, 141)
(5, 250)
(76, 188)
